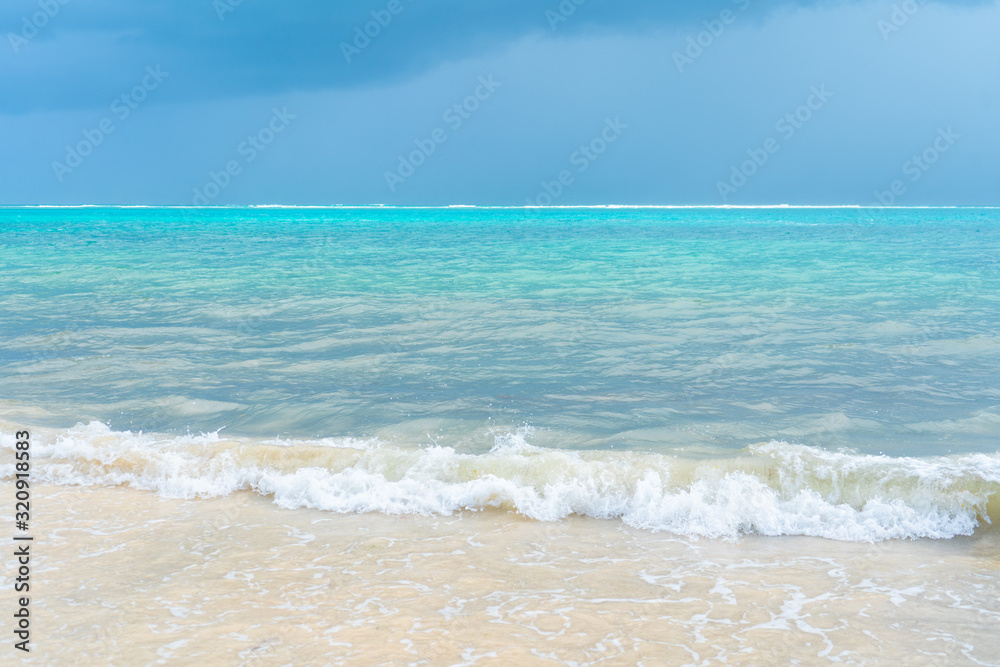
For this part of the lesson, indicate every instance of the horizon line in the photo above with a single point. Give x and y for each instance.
(497, 207)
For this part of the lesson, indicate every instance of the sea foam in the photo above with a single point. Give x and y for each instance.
(771, 489)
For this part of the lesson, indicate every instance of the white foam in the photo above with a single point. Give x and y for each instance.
(768, 489)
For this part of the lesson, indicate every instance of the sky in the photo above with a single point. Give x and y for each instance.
(500, 102)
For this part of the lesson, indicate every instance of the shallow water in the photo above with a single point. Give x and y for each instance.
(708, 372)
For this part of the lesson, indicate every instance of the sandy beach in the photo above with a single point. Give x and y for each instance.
(126, 577)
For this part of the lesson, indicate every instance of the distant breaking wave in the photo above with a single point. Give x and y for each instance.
(766, 489)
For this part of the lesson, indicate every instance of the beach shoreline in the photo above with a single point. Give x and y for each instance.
(133, 578)
(485, 436)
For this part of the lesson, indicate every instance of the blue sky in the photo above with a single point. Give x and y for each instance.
(499, 102)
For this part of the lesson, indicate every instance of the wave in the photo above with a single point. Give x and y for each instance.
(768, 489)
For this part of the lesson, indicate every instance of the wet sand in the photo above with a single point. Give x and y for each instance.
(125, 577)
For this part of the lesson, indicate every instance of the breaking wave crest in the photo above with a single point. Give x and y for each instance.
(772, 488)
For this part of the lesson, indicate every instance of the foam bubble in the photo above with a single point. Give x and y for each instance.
(772, 488)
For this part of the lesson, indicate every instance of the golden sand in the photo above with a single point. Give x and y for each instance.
(128, 578)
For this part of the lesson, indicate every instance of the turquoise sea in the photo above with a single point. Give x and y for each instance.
(826, 371)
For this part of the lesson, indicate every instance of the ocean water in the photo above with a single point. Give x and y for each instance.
(702, 372)
(506, 436)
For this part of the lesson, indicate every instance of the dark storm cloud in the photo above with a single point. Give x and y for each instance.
(79, 52)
